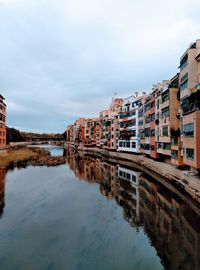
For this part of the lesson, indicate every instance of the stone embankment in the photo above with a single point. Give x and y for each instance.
(163, 172)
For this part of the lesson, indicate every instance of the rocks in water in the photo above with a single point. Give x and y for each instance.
(43, 161)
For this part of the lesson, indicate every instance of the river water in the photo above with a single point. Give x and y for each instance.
(90, 214)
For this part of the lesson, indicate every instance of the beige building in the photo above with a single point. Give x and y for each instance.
(109, 125)
(189, 81)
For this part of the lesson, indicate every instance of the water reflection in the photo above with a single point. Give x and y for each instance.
(2, 190)
(172, 226)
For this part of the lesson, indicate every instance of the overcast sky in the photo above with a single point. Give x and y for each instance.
(61, 59)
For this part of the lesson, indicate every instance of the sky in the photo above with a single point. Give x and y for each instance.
(64, 59)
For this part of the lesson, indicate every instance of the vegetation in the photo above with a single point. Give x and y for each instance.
(21, 154)
(29, 136)
(13, 135)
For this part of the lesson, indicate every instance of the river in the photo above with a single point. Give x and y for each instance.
(90, 214)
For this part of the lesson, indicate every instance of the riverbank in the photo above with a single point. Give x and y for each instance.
(164, 172)
(15, 155)
(25, 154)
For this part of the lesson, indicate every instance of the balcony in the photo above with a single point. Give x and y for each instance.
(191, 103)
(128, 114)
(164, 148)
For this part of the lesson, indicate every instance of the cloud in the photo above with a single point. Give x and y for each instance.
(62, 59)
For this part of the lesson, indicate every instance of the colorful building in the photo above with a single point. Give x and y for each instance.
(189, 81)
(163, 124)
(109, 124)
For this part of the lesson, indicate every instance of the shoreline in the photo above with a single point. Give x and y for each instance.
(165, 173)
(22, 156)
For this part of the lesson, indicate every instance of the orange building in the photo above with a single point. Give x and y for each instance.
(69, 135)
(110, 125)
(2, 122)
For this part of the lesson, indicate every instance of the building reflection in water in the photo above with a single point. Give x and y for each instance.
(2, 190)
(172, 226)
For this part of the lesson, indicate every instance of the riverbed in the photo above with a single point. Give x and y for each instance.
(91, 214)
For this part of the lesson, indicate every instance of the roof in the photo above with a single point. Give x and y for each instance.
(2, 97)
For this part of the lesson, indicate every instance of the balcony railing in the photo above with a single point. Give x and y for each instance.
(126, 114)
(191, 103)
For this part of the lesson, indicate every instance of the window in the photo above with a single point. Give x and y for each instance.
(189, 130)
(147, 107)
(147, 132)
(140, 123)
(133, 145)
(128, 144)
(152, 132)
(152, 104)
(147, 146)
(165, 112)
(184, 62)
(152, 117)
(165, 96)
(165, 131)
(120, 144)
(184, 86)
(133, 133)
(128, 176)
(184, 82)
(152, 148)
(174, 141)
(157, 104)
(133, 178)
(140, 114)
(189, 153)
(167, 146)
(174, 154)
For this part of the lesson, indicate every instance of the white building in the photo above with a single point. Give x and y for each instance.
(129, 124)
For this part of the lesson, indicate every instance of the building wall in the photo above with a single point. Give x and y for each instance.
(129, 129)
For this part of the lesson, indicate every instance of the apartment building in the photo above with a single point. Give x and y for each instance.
(162, 110)
(163, 124)
(147, 120)
(129, 124)
(79, 131)
(70, 135)
(189, 81)
(2, 122)
(97, 132)
(141, 126)
(174, 127)
(153, 145)
(89, 132)
(165, 129)
(109, 124)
